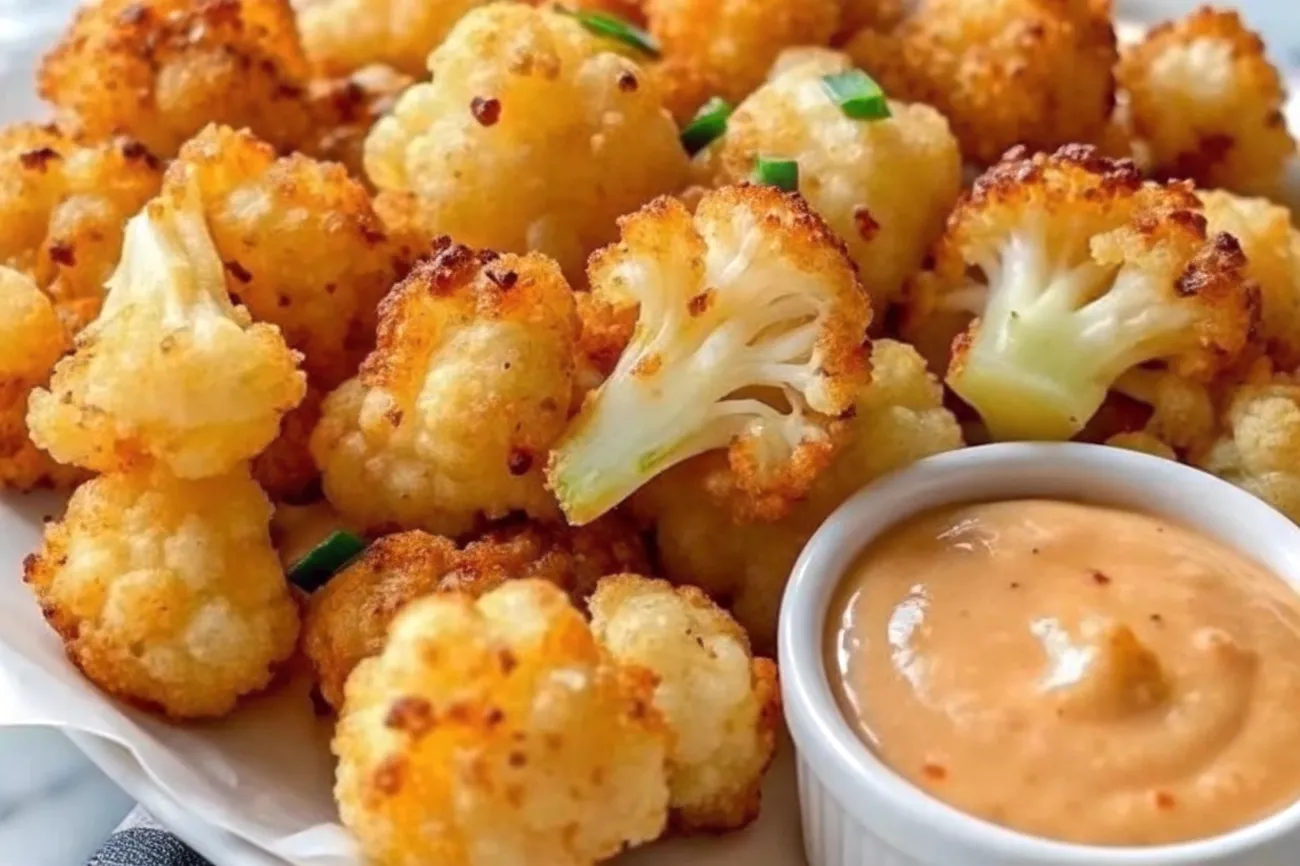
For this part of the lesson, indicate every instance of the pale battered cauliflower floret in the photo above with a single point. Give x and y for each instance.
(348, 619)
(749, 338)
(858, 15)
(721, 704)
(1272, 248)
(63, 204)
(302, 246)
(341, 36)
(1005, 72)
(345, 109)
(531, 136)
(168, 593)
(171, 371)
(161, 70)
(453, 413)
(899, 418)
(725, 47)
(1259, 450)
(31, 340)
(1078, 271)
(1207, 104)
(498, 732)
(885, 186)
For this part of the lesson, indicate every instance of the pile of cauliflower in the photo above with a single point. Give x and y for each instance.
(570, 324)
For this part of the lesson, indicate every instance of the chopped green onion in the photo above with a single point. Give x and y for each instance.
(325, 559)
(857, 95)
(775, 171)
(708, 125)
(613, 27)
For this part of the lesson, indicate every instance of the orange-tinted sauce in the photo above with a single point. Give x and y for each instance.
(1073, 671)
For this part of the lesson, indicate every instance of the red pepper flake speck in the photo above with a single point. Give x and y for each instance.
(1165, 800)
(1100, 578)
(485, 111)
(934, 772)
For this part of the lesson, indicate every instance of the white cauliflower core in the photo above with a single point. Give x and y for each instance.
(749, 337)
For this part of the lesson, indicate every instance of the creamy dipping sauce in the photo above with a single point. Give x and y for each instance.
(1073, 671)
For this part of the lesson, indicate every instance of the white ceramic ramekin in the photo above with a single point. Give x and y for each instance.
(858, 812)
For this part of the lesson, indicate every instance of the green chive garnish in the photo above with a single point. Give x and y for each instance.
(325, 559)
(780, 173)
(857, 95)
(613, 27)
(709, 123)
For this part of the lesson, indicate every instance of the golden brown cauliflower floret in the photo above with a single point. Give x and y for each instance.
(1272, 248)
(858, 15)
(168, 593)
(345, 109)
(285, 469)
(31, 340)
(1005, 72)
(899, 418)
(348, 619)
(1078, 271)
(341, 36)
(749, 339)
(531, 136)
(161, 70)
(1259, 449)
(302, 247)
(497, 731)
(721, 704)
(725, 47)
(63, 204)
(885, 186)
(452, 415)
(171, 371)
(1181, 422)
(1206, 103)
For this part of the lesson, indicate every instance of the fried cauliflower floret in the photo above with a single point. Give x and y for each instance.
(1207, 104)
(62, 207)
(1005, 72)
(1182, 420)
(498, 732)
(348, 619)
(344, 110)
(725, 47)
(899, 418)
(749, 338)
(285, 469)
(31, 340)
(452, 415)
(168, 593)
(161, 70)
(858, 15)
(1272, 248)
(1259, 449)
(722, 705)
(341, 36)
(1078, 272)
(884, 186)
(531, 136)
(302, 246)
(171, 371)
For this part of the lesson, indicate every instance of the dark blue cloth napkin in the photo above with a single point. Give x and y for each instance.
(141, 841)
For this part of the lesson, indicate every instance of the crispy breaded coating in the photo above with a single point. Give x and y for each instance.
(498, 732)
(858, 15)
(63, 204)
(1272, 248)
(171, 371)
(722, 705)
(749, 340)
(161, 70)
(348, 618)
(1005, 72)
(344, 110)
(725, 47)
(1259, 449)
(453, 413)
(286, 469)
(899, 418)
(168, 593)
(31, 339)
(302, 247)
(1207, 104)
(341, 36)
(884, 186)
(532, 135)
